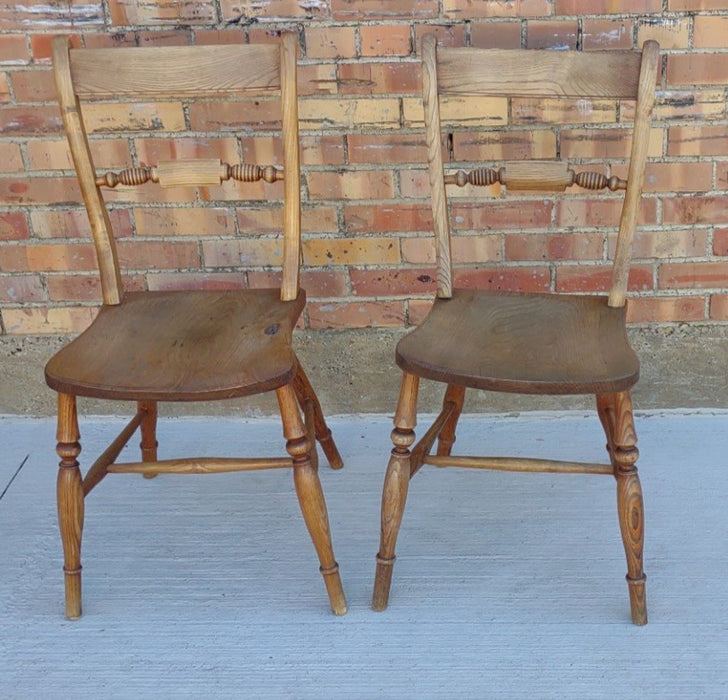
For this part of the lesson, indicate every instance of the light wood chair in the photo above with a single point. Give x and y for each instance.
(523, 342)
(195, 345)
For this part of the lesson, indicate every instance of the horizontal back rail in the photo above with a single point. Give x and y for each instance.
(163, 71)
(538, 73)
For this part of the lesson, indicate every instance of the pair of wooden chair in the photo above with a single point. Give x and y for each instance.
(148, 347)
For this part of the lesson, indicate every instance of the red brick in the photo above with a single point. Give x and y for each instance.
(230, 116)
(509, 279)
(674, 177)
(321, 149)
(38, 190)
(252, 9)
(417, 310)
(385, 40)
(58, 321)
(167, 37)
(330, 42)
(184, 222)
(697, 69)
(497, 215)
(697, 141)
(14, 49)
(552, 34)
(356, 10)
(40, 45)
(153, 255)
(386, 149)
(356, 184)
(570, 246)
(379, 78)
(242, 253)
(58, 257)
(34, 86)
(603, 34)
(175, 281)
(683, 104)
(465, 249)
(415, 184)
(358, 314)
(496, 35)
(447, 35)
(21, 289)
(150, 12)
(369, 283)
(575, 212)
(28, 121)
(665, 309)
(317, 283)
(243, 191)
(265, 220)
(73, 223)
(149, 193)
(317, 79)
(64, 287)
(12, 161)
(369, 250)
(666, 243)
(466, 9)
(693, 275)
(386, 218)
(598, 278)
(563, 111)
(54, 154)
(678, 5)
(719, 307)
(705, 209)
(502, 145)
(13, 226)
(56, 16)
(720, 241)
(668, 32)
(606, 7)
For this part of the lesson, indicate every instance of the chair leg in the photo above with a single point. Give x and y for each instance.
(148, 429)
(306, 394)
(310, 495)
(455, 394)
(70, 501)
(630, 507)
(396, 485)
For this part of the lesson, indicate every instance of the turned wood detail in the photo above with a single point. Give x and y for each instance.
(483, 177)
(209, 172)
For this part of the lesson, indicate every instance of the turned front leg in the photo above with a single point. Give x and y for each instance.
(396, 485)
(311, 496)
(630, 507)
(70, 501)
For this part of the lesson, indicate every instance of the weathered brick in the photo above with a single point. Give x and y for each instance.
(231, 116)
(357, 314)
(446, 35)
(80, 287)
(605, 143)
(577, 212)
(58, 257)
(562, 111)
(265, 220)
(693, 275)
(330, 42)
(705, 209)
(150, 12)
(55, 320)
(176, 281)
(552, 246)
(697, 69)
(233, 35)
(321, 149)
(665, 309)
(383, 9)
(351, 251)
(38, 190)
(149, 193)
(507, 279)
(14, 49)
(58, 16)
(13, 226)
(382, 113)
(504, 145)
(551, 34)
(379, 78)
(526, 214)
(683, 104)
(250, 252)
(54, 154)
(719, 307)
(674, 177)
(465, 249)
(4, 88)
(73, 223)
(385, 40)
(254, 10)
(697, 141)
(417, 310)
(465, 111)
(598, 278)
(154, 116)
(669, 32)
(387, 149)
(387, 218)
(184, 222)
(387, 282)
(34, 86)
(12, 161)
(496, 35)
(21, 289)
(356, 184)
(28, 121)
(153, 255)
(606, 7)
(465, 9)
(317, 79)
(720, 241)
(318, 283)
(152, 150)
(602, 34)
(666, 243)
(678, 5)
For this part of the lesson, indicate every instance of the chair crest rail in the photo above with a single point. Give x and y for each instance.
(193, 172)
(543, 175)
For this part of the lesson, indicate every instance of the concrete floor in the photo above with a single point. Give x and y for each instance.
(506, 585)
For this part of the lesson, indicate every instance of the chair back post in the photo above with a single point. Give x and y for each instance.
(292, 177)
(101, 231)
(433, 137)
(636, 173)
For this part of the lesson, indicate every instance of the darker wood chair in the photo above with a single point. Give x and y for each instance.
(523, 342)
(195, 345)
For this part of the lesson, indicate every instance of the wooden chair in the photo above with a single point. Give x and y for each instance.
(195, 345)
(525, 342)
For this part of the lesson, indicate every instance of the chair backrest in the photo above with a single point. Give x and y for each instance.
(189, 74)
(547, 74)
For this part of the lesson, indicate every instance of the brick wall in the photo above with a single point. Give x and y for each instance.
(367, 241)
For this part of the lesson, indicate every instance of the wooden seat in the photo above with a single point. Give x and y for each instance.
(524, 342)
(191, 345)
